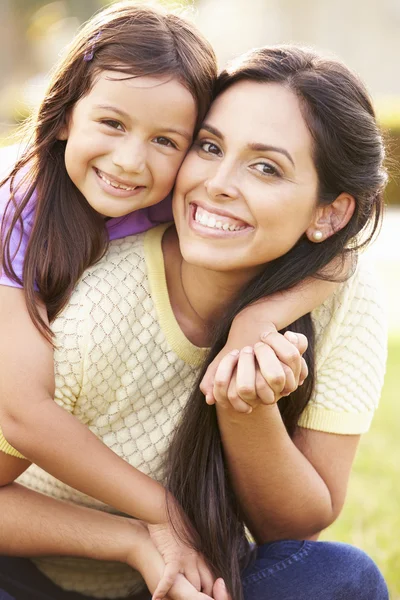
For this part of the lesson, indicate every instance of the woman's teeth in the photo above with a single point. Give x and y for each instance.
(215, 221)
(114, 184)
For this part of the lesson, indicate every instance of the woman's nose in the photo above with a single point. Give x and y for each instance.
(131, 156)
(222, 183)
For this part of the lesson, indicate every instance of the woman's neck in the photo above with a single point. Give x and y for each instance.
(198, 296)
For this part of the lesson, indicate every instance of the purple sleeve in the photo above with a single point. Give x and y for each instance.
(140, 220)
(19, 239)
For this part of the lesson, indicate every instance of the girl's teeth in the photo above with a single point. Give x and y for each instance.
(225, 226)
(115, 185)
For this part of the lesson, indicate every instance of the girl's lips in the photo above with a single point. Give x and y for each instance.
(118, 192)
(214, 232)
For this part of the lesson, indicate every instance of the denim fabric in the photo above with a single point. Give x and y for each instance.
(285, 570)
(302, 570)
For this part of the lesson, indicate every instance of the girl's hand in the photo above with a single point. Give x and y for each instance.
(179, 558)
(144, 556)
(259, 375)
(183, 590)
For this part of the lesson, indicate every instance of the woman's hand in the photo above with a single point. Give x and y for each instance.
(257, 375)
(179, 558)
(146, 558)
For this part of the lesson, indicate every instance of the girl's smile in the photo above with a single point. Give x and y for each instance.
(126, 139)
(117, 187)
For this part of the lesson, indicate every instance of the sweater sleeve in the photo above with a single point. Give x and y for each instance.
(351, 351)
(20, 234)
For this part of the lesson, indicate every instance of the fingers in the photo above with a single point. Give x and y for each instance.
(219, 591)
(242, 393)
(270, 367)
(303, 372)
(167, 581)
(298, 339)
(263, 375)
(207, 383)
(192, 574)
(223, 377)
(286, 350)
(207, 579)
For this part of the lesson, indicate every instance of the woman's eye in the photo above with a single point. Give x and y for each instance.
(266, 169)
(209, 148)
(113, 124)
(163, 141)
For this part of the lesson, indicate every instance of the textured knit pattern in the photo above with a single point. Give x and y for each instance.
(124, 368)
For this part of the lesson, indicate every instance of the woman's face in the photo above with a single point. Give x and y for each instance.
(246, 192)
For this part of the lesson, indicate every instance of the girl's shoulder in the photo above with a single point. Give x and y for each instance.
(22, 228)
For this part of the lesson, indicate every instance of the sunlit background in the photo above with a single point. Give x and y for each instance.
(366, 35)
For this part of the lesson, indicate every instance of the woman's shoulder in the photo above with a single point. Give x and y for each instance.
(358, 301)
(351, 351)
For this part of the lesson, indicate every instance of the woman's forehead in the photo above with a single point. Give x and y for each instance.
(261, 113)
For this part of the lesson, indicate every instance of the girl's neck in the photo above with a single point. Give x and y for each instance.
(198, 296)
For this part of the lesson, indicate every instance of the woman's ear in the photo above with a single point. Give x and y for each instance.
(330, 218)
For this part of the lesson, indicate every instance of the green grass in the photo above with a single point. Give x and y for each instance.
(371, 517)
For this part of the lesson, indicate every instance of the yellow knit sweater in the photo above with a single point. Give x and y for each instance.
(124, 367)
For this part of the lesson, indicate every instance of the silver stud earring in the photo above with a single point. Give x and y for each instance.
(317, 235)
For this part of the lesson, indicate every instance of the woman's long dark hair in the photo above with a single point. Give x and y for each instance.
(68, 235)
(348, 156)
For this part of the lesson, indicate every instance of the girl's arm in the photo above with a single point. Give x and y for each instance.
(272, 313)
(33, 524)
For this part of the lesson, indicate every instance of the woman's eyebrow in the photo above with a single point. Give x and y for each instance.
(255, 147)
(267, 148)
(212, 130)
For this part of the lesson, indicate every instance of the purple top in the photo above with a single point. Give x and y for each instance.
(134, 222)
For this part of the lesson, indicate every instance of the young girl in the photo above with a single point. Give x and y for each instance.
(107, 142)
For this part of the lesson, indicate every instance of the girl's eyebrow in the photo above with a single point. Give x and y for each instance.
(188, 136)
(112, 108)
(256, 146)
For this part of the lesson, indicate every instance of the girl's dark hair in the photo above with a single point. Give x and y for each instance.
(68, 235)
(348, 154)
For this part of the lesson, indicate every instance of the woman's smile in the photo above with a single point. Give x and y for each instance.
(246, 194)
(214, 222)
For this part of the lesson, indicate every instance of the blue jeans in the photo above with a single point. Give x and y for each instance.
(286, 570)
(302, 570)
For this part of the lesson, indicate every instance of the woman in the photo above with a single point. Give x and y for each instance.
(291, 157)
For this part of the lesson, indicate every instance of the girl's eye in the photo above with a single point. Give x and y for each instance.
(163, 141)
(209, 148)
(113, 124)
(266, 169)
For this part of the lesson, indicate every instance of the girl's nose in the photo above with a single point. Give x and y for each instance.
(131, 157)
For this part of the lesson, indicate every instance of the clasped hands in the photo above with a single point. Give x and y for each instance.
(256, 375)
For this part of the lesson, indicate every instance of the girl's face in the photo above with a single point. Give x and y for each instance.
(247, 189)
(126, 140)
